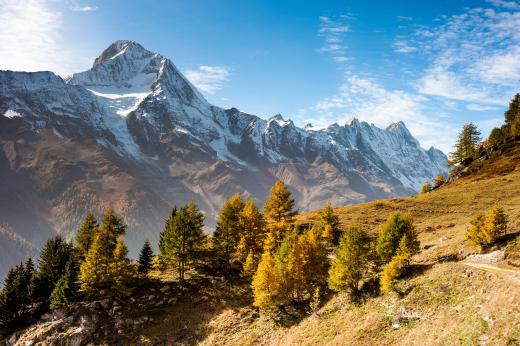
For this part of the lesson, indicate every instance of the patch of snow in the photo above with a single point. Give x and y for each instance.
(56, 133)
(12, 114)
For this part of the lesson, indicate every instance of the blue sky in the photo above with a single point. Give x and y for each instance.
(434, 65)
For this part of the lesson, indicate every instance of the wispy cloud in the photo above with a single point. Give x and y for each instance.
(505, 4)
(77, 7)
(404, 18)
(403, 47)
(29, 35)
(368, 100)
(208, 79)
(480, 108)
(473, 56)
(333, 31)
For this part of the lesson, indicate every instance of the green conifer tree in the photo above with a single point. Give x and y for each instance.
(390, 236)
(145, 259)
(466, 146)
(351, 261)
(227, 231)
(85, 235)
(183, 239)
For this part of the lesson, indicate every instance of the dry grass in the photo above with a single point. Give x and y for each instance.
(443, 302)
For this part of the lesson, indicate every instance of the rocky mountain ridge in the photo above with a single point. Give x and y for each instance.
(134, 134)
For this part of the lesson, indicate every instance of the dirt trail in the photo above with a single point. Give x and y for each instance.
(511, 274)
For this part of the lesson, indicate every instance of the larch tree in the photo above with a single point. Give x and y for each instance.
(95, 270)
(227, 231)
(427, 187)
(466, 145)
(266, 282)
(183, 238)
(308, 264)
(351, 261)
(330, 222)
(512, 116)
(439, 181)
(121, 270)
(390, 236)
(486, 229)
(279, 210)
(252, 235)
(85, 235)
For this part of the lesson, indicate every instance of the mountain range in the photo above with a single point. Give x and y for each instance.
(132, 133)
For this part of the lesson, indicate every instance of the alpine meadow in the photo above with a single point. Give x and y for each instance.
(134, 210)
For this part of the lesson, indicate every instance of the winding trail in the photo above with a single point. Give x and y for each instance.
(511, 274)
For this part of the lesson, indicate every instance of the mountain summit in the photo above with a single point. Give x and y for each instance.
(134, 134)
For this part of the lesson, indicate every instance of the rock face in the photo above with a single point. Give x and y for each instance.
(133, 133)
(89, 322)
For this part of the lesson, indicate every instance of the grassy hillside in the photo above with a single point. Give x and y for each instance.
(452, 297)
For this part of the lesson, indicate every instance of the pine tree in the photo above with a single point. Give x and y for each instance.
(120, 269)
(95, 270)
(426, 188)
(351, 261)
(330, 222)
(466, 146)
(390, 236)
(145, 259)
(66, 288)
(15, 297)
(54, 256)
(227, 231)
(85, 234)
(167, 225)
(512, 116)
(183, 238)
(252, 235)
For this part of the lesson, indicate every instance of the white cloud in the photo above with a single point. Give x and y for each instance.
(404, 18)
(208, 79)
(30, 38)
(505, 4)
(473, 56)
(333, 31)
(403, 47)
(481, 108)
(82, 7)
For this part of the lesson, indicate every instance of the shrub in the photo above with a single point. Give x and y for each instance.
(439, 181)
(391, 273)
(486, 229)
(426, 188)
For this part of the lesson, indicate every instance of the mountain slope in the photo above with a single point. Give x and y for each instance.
(133, 133)
(452, 295)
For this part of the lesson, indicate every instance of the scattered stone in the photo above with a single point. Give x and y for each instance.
(396, 326)
(164, 289)
(467, 273)
(444, 288)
